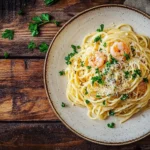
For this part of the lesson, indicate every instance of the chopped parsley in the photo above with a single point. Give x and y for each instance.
(61, 73)
(98, 96)
(63, 104)
(101, 28)
(8, 34)
(111, 113)
(105, 44)
(31, 45)
(124, 97)
(97, 70)
(145, 80)
(6, 55)
(100, 49)
(127, 56)
(87, 101)
(113, 60)
(97, 79)
(126, 74)
(82, 63)
(89, 67)
(86, 92)
(111, 125)
(74, 48)
(132, 49)
(104, 102)
(109, 63)
(78, 47)
(43, 47)
(136, 72)
(98, 38)
(67, 58)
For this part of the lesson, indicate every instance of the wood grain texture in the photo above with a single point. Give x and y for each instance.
(22, 94)
(62, 11)
(51, 136)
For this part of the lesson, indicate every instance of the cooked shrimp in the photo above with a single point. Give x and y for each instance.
(97, 59)
(118, 49)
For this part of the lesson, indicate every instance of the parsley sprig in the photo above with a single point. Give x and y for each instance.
(39, 21)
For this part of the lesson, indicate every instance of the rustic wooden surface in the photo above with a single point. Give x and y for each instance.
(26, 119)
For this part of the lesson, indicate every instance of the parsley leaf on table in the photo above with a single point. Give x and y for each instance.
(8, 34)
(43, 47)
(33, 29)
(31, 45)
(45, 17)
(37, 19)
(50, 2)
(6, 55)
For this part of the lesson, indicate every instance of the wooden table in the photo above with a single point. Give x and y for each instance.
(26, 119)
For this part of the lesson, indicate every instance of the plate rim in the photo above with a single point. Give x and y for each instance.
(45, 76)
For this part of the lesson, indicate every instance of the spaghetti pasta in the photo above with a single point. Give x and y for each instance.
(110, 74)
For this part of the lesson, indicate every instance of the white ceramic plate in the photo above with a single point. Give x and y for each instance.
(73, 117)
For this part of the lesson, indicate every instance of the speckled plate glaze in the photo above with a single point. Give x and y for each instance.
(76, 118)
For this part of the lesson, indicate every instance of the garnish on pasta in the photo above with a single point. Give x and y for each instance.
(109, 73)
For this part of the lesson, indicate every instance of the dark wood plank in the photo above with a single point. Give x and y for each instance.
(62, 11)
(52, 136)
(22, 94)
